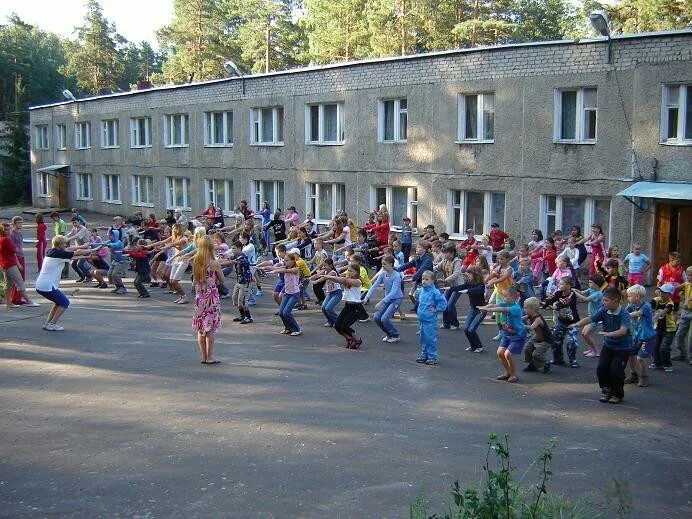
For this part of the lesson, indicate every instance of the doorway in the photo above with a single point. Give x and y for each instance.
(672, 232)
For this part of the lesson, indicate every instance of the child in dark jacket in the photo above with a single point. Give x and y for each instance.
(564, 301)
(422, 261)
(141, 255)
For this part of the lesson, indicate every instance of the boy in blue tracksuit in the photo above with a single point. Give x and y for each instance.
(430, 303)
(387, 307)
(423, 261)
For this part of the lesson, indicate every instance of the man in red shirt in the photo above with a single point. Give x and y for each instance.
(471, 252)
(497, 237)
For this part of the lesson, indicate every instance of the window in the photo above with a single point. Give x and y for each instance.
(82, 137)
(42, 137)
(393, 120)
(270, 190)
(267, 125)
(43, 184)
(143, 190)
(476, 210)
(218, 128)
(111, 189)
(324, 200)
(476, 117)
(563, 212)
(84, 191)
(178, 193)
(109, 133)
(575, 115)
(324, 123)
(220, 192)
(176, 130)
(61, 136)
(401, 201)
(676, 117)
(140, 132)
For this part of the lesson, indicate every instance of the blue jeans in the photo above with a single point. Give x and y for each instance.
(286, 312)
(473, 320)
(428, 339)
(330, 301)
(383, 317)
(449, 317)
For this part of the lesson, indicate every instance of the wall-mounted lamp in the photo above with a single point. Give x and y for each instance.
(600, 21)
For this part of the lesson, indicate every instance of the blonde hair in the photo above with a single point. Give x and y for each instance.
(178, 231)
(199, 233)
(532, 303)
(204, 255)
(58, 241)
(636, 290)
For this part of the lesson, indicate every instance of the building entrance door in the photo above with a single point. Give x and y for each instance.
(672, 232)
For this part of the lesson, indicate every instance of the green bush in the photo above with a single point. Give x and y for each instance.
(500, 496)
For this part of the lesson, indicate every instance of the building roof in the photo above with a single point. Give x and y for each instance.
(368, 61)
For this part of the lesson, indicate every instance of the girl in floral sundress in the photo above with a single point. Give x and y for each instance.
(206, 318)
(597, 242)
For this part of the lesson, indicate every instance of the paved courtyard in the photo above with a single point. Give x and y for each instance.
(116, 417)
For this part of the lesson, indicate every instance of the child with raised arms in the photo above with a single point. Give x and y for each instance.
(353, 309)
(388, 305)
(643, 336)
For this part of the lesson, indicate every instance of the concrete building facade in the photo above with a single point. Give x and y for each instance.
(541, 135)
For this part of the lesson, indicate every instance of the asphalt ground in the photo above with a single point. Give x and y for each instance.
(115, 417)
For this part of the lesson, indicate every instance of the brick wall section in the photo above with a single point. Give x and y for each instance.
(490, 63)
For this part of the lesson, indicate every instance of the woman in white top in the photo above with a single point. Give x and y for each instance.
(49, 278)
(353, 307)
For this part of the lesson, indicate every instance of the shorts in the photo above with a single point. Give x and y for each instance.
(644, 348)
(514, 343)
(178, 270)
(56, 296)
(100, 264)
(118, 269)
(14, 278)
(239, 292)
(635, 278)
(161, 256)
(279, 287)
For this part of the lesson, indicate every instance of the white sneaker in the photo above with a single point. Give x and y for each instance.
(393, 339)
(385, 338)
(327, 325)
(468, 348)
(479, 350)
(497, 337)
(32, 304)
(51, 327)
(453, 327)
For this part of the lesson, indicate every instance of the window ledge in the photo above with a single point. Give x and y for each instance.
(176, 208)
(140, 147)
(399, 141)
(42, 149)
(676, 143)
(327, 143)
(115, 202)
(142, 204)
(110, 147)
(267, 144)
(473, 141)
(43, 196)
(84, 199)
(81, 149)
(565, 141)
(176, 146)
(230, 145)
(61, 149)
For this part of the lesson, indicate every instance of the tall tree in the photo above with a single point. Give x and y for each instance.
(93, 58)
(650, 15)
(336, 31)
(196, 42)
(14, 161)
(537, 20)
(396, 26)
(141, 61)
(490, 23)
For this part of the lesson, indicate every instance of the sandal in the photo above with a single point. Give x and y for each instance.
(513, 379)
(502, 377)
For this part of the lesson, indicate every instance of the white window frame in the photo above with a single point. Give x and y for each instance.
(256, 129)
(42, 140)
(411, 202)
(109, 134)
(82, 181)
(313, 193)
(82, 135)
(143, 185)
(210, 185)
(398, 112)
(169, 186)
(487, 211)
(681, 104)
(107, 184)
(322, 141)
(258, 195)
(580, 114)
(227, 122)
(61, 136)
(43, 184)
(589, 208)
(483, 101)
(135, 133)
(169, 121)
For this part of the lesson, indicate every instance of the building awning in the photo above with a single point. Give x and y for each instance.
(53, 167)
(662, 190)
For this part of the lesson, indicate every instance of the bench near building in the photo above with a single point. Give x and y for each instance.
(540, 135)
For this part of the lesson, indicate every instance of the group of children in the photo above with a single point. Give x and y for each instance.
(513, 283)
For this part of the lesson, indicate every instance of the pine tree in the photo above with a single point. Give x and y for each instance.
(490, 23)
(14, 161)
(395, 26)
(93, 58)
(537, 20)
(336, 31)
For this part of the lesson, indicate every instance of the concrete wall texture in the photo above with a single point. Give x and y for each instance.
(524, 161)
